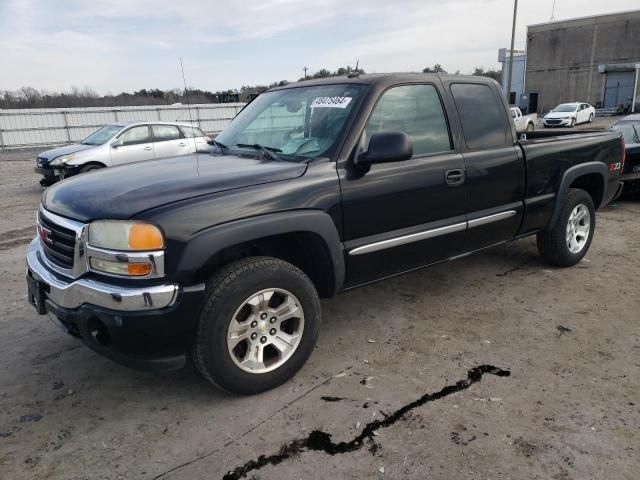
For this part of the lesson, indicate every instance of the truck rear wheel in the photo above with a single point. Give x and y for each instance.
(567, 241)
(258, 326)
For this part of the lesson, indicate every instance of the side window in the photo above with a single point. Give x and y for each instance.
(190, 132)
(163, 133)
(483, 121)
(135, 136)
(415, 110)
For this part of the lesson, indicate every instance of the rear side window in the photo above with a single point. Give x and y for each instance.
(190, 132)
(163, 133)
(135, 136)
(483, 121)
(415, 110)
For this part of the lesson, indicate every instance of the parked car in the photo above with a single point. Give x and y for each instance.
(629, 126)
(524, 123)
(118, 144)
(569, 115)
(225, 256)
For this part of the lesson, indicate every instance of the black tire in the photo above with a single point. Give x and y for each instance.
(573, 123)
(531, 127)
(47, 181)
(591, 118)
(226, 291)
(552, 242)
(90, 167)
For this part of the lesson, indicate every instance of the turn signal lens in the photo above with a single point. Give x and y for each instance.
(121, 268)
(144, 236)
(139, 268)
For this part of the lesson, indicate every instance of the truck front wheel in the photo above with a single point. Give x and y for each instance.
(567, 241)
(258, 326)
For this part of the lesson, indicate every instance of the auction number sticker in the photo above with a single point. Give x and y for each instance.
(331, 102)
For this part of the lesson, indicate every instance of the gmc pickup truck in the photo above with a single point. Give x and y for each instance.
(314, 188)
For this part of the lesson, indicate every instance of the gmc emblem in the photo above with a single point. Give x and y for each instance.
(45, 234)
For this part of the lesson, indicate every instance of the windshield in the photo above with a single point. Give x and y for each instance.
(630, 131)
(567, 107)
(102, 135)
(299, 122)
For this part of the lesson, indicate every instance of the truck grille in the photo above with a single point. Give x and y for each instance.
(58, 243)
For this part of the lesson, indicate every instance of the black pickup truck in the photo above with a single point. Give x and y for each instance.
(314, 188)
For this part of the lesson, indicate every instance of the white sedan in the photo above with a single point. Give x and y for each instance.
(569, 115)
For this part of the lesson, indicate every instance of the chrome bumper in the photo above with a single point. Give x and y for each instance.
(74, 293)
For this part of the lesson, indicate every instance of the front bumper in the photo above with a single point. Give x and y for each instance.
(146, 327)
(61, 172)
(564, 122)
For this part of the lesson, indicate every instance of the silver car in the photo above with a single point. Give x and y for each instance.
(118, 144)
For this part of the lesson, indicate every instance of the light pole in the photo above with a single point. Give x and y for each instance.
(513, 35)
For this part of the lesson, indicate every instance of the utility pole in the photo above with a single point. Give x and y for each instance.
(513, 35)
(305, 72)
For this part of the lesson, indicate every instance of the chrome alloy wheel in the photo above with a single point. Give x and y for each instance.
(578, 228)
(265, 331)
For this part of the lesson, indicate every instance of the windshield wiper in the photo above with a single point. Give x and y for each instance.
(267, 151)
(221, 146)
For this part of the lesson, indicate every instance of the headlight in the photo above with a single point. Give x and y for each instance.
(125, 235)
(126, 248)
(61, 160)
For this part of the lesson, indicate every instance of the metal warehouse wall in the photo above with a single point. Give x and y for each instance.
(563, 58)
(52, 126)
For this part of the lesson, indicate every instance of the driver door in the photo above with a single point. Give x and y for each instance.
(136, 146)
(402, 215)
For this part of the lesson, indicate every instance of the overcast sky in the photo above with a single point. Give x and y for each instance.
(115, 45)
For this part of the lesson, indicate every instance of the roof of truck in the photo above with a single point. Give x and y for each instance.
(384, 79)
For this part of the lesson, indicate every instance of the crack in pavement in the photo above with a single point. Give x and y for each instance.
(320, 441)
(247, 432)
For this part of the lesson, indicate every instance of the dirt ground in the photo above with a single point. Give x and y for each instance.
(494, 366)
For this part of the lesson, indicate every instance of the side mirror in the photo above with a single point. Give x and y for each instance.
(386, 147)
(116, 143)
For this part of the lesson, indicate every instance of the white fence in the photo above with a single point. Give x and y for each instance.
(53, 126)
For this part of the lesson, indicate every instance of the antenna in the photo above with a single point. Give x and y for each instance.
(553, 9)
(356, 72)
(186, 94)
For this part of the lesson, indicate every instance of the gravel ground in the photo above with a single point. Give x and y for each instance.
(409, 379)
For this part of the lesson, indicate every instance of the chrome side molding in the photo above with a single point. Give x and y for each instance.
(435, 232)
(491, 218)
(413, 237)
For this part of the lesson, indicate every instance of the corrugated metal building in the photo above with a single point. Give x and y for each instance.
(592, 59)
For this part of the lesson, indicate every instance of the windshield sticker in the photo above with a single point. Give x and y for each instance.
(331, 102)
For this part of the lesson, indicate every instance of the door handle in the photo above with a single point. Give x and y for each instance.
(455, 177)
(148, 148)
(182, 144)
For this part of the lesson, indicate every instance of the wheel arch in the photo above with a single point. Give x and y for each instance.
(86, 164)
(590, 176)
(306, 238)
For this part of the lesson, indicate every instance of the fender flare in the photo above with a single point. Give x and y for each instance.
(570, 175)
(206, 243)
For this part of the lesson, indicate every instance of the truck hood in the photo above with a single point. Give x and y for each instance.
(66, 150)
(122, 192)
(560, 114)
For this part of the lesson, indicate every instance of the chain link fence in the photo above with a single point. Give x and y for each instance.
(35, 127)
